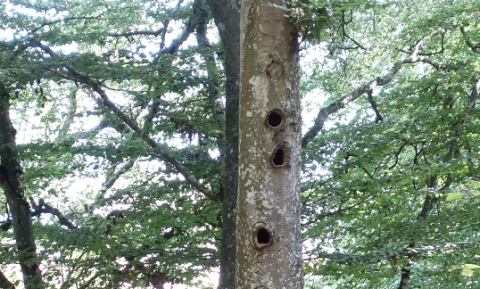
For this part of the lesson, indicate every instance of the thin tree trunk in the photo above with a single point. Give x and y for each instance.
(268, 211)
(227, 18)
(405, 278)
(12, 184)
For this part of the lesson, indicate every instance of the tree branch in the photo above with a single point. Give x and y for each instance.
(345, 33)
(173, 48)
(66, 20)
(384, 255)
(38, 8)
(440, 66)
(442, 49)
(161, 150)
(334, 107)
(111, 181)
(46, 208)
(397, 154)
(69, 140)
(475, 47)
(12, 183)
(62, 133)
(374, 105)
(405, 277)
(139, 32)
(89, 281)
(319, 217)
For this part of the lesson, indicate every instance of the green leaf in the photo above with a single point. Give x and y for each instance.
(474, 184)
(453, 196)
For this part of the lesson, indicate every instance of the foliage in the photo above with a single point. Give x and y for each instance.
(136, 220)
(393, 180)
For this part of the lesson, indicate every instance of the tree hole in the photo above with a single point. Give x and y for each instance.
(263, 237)
(278, 158)
(275, 118)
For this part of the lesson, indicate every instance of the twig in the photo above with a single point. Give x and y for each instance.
(345, 33)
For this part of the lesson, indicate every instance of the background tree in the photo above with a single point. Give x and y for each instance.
(127, 137)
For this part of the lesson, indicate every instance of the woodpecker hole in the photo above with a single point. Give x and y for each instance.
(275, 118)
(262, 237)
(280, 157)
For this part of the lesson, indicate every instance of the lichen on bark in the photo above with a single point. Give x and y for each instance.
(269, 166)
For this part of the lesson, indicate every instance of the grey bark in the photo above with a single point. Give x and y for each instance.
(269, 243)
(226, 14)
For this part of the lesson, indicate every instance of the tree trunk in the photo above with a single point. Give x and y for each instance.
(227, 18)
(12, 184)
(268, 210)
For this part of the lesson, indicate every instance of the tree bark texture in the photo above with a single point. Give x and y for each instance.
(12, 184)
(226, 14)
(268, 210)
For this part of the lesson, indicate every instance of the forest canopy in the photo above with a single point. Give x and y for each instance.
(114, 117)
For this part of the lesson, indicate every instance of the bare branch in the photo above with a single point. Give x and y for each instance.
(345, 33)
(46, 208)
(111, 181)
